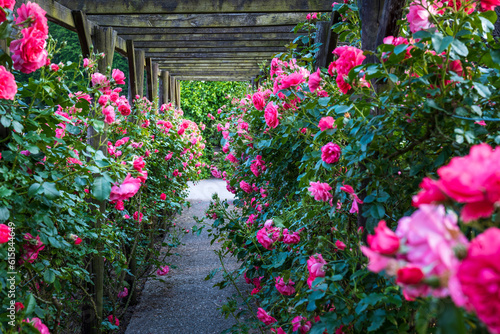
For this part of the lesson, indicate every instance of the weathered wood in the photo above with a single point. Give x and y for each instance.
(182, 72)
(210, 44)
(196, 6)
(169, 49)
(204, 65)
(172, 94)
(178, 91)
(241, 60)
(104, 40)
(332, 37)
(3, 46)
(322, 34)
(140, 58)
(211, 78)
(131, 30)
(391, 14)
(496, 31)
(370, 12)
(83, 32)
(164, 87)
(132, 71)
(254, 55)
(208, 20)
(211, 37)
(152, 79)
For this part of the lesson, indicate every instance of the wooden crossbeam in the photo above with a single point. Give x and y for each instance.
(268, 49)
(223, 61)
(214, 55)
(212, 37)
(212, 78)
(131, 30)
(209, 44)
(196, 6)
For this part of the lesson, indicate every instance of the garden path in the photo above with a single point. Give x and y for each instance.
(183, 302)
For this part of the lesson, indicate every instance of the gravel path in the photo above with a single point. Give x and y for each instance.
(184, 302)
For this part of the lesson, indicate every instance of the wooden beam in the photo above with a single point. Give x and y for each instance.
(210, 44)
(83, 32)
(132, 71)
(214, 55)
(140, 59)
(104, 41)
(240, 60)
(100, 7)
(172, 89)
(178, 90)
(131, 30)
(211, 78)
(212, 37)
(274, 49)
(208, 66)
(152, 79)
(208, 20)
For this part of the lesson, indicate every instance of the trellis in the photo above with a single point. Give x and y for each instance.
(173, 41)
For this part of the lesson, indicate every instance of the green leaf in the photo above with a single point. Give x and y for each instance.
(5, 192)
(101, 189)
(50, 190)
(30, 307)
(365, 140)
(483, 90)
(323, 101)
(460, 48)
(4, 213)
(400, 48)
(377, 319)
(450, 319)
(49, 276)
(440, 43)
(33, 189)
(99, 126)
(5, 121)
(33, 149)
(18, 127)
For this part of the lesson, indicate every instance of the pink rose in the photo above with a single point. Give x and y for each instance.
(139, 163)
(301, 324)
(409, 275)
(113, 320)
(290, 238)
(267, 236)
(124, 191)
(163, 196)
(419, 14)
(348, 58)
(119, 206)
(271, 115)
(340, 245)
(292, 80)
(326, 123)
(330, 153)
(36, 14)
(320, 191)
(479, 277)
(31, 247)
(474, 180)
(489, 4)
(28, 53)
(99, 79)
(38, 324)
(430, 193)
(314, 80)
(123, 294)
(8, 86)
(378, 262)
(264, 317)
(315, 265)
(4, 233)
(246, 187)
(118, 76)
(163, 271)
(109, 114)
(258, 100)
(286, 289)
(7, 4)
(385, 241)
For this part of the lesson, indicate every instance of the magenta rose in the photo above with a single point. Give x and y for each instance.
(315, 265)
(271, 115)
(292, 80)
(320, 191)
(409, 275)
(330, 153)
(7, 4)
(118, 76)
(418, 17)
(8, 86)
(385, 241)
(479, 277)
(28, 53)
(267, 236)
(301, 324)
(286, 289)
(246, 187)
(314, 80)
(264, 317)
(326, 123)
(489, 4)
(4, 233)
(258, 100)
(36, 14)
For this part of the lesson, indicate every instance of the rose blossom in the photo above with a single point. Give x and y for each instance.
(245, 187)
(330, 153)
(8, 86)
(489, 4)
(128, 188)
(326, 123)
(109, 114)
(314, 80)
(320, 191)
(163, 196)
(38, 324)
(32, 247)
(271, 115)
(7, 4)
(479, 277)
(286, 289)
(264, 317)
(36, 14)
(385, 241)
(348, 58)
(315, 267)
(419, 14)
(163, 271)
(267, 236)
(258, 100)
(28, 53)
(340, 245)
(300, 323)
(409, 275)
(118, 76)
(290, 238)
(4, 233)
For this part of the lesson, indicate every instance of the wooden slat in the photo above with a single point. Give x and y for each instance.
(195, 49)
(83, 32)
(212, 37)
(215, 55)
(131, 30)
(209, 44)
(104, 40)
(132, 70)
(212, 78)
(140, 58)
(100, 7)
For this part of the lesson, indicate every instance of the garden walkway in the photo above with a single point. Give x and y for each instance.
(185, 303)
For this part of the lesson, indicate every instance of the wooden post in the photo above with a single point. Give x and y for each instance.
(172, 90)
(132, 73)
(140, 56)
(83, 31)
(164, 87)
(322, 32)
(178, 96)
(104, 42)
(332, 38)
(152, 79)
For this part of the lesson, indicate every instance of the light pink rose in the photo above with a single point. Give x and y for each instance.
(419, 14)
(28, 53)
(479, 277)
(267, 236)
(326, 123)
(118, 76)
(315, 265)
(109, 114)
(36, 14)
(127, 189)
(330, 153)
(314, 80)
(320, 191)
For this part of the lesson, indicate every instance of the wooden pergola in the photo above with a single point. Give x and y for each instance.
(175, 40)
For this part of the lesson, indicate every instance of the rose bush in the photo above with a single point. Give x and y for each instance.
(330, 154)
(83, 175)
